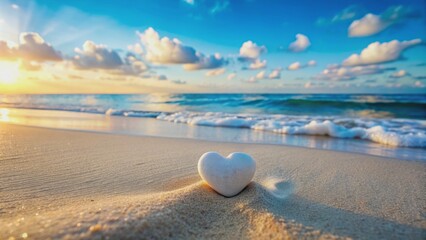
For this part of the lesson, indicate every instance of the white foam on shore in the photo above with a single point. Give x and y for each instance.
(393, 132)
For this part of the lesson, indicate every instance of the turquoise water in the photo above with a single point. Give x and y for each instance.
(389, 121)
(345, 105)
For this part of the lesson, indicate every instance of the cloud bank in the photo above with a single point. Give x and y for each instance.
(343, 73)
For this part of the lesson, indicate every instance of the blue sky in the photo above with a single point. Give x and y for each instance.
(211, 52)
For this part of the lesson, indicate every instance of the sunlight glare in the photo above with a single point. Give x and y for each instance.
(9, 72)
(4, 114)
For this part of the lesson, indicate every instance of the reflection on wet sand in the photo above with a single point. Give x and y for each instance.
(152, 127)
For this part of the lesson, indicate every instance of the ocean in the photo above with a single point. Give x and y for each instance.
(385, 123)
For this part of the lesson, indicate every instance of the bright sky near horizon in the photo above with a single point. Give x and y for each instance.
(336, 46)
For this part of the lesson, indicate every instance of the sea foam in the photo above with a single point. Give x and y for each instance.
(393, 132)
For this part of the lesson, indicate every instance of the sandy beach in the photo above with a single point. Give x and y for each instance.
(71, 185)
(218, 119)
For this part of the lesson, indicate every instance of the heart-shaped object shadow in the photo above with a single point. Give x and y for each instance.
(227, 176)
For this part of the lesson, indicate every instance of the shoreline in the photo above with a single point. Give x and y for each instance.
(136, 126)
(51, 176)
(216, 141)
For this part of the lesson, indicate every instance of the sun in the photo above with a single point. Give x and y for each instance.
(9, 72)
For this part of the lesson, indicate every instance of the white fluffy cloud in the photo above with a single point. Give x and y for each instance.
(298, 65)
(380, 52)
(275, 74)
(206, 62)
(294, 66)
(251, 51)
(96, 56)
(342, 73)
(312, 63)
(257, 64)
(231, 76)
(301, 44)
(172, 51)
(32, 50)
(369, 25)
(372, 24)
(165, 50)
(215, 72)
(136, 48)
(31, 47)
(308, 85)
(133, 66)
(399, 74)
(261, 75)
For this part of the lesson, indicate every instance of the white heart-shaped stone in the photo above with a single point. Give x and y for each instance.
(227, 176)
